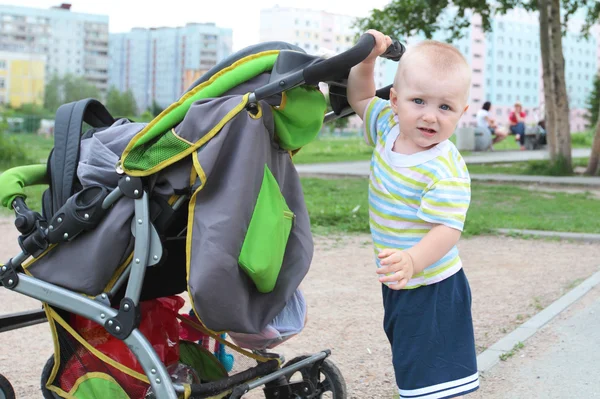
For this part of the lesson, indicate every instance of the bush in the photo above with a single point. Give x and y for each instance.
(583, 139)
(11, 153)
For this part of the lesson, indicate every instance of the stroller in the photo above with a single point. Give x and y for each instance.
(204, 199)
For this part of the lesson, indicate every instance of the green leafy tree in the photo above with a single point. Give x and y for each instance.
(155, 109)
(129, 104)
(66, 89)
(593, 105)
(411, 17)
(52, 97)
(593, 167)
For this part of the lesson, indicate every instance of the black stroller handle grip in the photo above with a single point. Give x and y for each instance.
(394, 51)
(323, 71)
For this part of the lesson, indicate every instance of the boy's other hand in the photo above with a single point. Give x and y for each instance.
(382, 42)
(396, 268)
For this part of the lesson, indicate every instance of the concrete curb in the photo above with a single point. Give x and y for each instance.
(554, 234)
(491, 356)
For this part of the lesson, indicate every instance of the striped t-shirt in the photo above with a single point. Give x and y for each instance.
(410, 194)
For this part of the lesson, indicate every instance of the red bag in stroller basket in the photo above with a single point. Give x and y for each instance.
(159, 325)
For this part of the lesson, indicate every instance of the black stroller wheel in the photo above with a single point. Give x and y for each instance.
(46, 371)
(6, 390)
(330, 383)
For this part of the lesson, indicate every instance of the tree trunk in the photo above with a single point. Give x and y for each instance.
(549, 100)
(593, 168)
(563, 128)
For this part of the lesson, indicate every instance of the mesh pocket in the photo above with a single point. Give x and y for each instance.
(155, 152)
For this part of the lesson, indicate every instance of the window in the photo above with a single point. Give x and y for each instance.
(499, 68)
(2, 86)
(508, 83)
(2, 64)
(498, 97)
(477, 70)
(499, 83)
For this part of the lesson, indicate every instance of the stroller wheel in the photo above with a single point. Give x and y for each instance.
(46, 372)
(6, 390)
(329, 384)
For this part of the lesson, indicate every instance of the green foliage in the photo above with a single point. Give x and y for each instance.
(11, 152)
(67, 89)
(120, 104)
(593, 103)
(155, 109)
(406, 18)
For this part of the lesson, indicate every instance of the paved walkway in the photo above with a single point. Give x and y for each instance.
(519, 156)
(561, 361)
(361, 168)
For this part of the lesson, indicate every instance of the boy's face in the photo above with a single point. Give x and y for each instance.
(428, 104)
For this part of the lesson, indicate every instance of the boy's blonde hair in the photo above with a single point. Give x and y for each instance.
(444, 57)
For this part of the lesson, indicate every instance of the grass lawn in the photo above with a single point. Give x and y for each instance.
(344, 149)
(341, 205)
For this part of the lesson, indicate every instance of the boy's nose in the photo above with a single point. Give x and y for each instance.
(428, 117)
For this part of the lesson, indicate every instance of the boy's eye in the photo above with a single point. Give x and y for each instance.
(445, 107)
(418, 101)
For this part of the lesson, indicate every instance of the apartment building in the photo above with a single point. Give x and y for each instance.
(72, 43)
(21, 78)
(159, 64)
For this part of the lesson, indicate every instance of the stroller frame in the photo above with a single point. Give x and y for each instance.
(122, 323)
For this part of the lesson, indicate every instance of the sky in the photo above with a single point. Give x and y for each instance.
(243, 16)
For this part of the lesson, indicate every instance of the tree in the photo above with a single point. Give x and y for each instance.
(129, 104)
(411, 17)
(121, 104)
(156, 109)
(66, 89)
(52, 98)
(594, 163)
(594, 103)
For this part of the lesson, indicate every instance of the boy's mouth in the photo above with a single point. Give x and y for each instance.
(426, 131)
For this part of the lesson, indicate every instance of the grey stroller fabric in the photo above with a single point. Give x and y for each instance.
(233, 162)
(87, 263)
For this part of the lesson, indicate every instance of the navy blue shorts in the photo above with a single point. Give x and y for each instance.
(431, 332)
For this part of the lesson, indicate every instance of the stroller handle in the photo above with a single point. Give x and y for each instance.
(322, 71)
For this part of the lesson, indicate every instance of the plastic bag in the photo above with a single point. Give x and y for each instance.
(158, 324)
(289, 322)
(180, 374)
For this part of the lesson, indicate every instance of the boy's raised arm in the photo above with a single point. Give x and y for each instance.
(361, 81)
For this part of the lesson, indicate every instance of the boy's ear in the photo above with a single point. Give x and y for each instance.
(394, 100)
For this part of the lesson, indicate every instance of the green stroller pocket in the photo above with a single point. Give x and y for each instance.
(264, 246)
(97, 385)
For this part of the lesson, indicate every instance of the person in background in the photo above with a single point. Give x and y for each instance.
(485, 121)
(517, 123)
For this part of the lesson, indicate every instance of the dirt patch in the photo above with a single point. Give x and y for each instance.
(511, 279)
